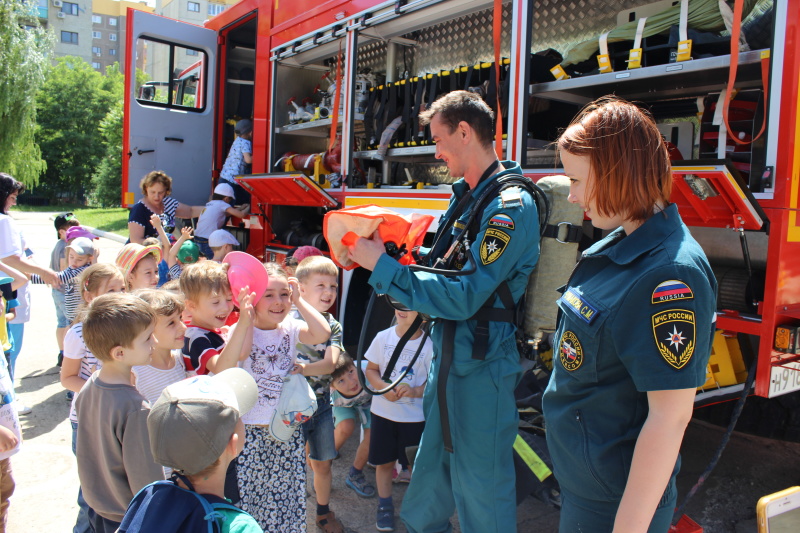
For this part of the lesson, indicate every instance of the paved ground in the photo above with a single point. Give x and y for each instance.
(47, 479)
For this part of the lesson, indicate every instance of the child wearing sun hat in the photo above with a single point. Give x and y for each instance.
(139, 265)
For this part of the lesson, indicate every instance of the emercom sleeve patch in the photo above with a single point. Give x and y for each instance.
(493, 245)
(674, 334)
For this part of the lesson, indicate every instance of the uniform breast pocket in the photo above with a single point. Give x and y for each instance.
(579, 337)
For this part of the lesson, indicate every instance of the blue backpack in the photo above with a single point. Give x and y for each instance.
(165, 507)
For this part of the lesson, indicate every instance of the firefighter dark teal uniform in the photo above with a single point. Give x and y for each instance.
(478, 477)
(637, 315)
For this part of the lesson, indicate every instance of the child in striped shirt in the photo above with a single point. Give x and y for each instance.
(80, 253)
(166, 364)
(184, 252)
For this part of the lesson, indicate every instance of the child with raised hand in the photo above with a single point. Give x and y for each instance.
(163, 268)
(166, 364)
(165, 242)
(113, 446)
(213, 217)
(209, 346)
(139, 265)
(80, 253)
(58, 261)
(318, 280)
(79, 363)
(397, 417)
(351, 405)
(184, 252)
(272, 473)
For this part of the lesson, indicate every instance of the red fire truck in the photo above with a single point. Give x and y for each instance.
(333, 88)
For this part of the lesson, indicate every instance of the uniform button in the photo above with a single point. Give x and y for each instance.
(379, 285)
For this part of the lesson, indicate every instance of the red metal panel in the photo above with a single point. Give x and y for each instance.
(295, 19)
(781, 291)
(730, 208)
(237, 11)
(287, 189)
(782, 288)
(130, 55)
(790, 87)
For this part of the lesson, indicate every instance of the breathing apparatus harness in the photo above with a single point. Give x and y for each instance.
(444, 254)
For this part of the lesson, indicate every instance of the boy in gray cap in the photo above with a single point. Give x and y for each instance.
(239, 159)
(196, 429)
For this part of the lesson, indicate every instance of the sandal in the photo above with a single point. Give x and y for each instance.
(329, 524)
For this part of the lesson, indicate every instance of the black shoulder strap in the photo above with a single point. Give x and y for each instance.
(387, 373)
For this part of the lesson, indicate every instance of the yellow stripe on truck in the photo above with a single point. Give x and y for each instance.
(401, 203)
(793, 231)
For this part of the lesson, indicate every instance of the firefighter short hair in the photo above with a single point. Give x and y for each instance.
(156, 176)
(628, 157)
(315, 264)
(113, 320)
(463, 106)
(204, 278)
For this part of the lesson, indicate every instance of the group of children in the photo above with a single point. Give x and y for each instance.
(131, 342)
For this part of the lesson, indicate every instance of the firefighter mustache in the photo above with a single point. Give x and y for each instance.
(464, 460)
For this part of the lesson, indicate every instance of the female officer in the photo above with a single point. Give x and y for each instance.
(635, 328)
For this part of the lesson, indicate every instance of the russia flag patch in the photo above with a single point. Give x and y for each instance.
(502, 221)
(671, 290)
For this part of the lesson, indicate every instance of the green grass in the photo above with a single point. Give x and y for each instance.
(114, 220)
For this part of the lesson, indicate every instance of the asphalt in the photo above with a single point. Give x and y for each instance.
(47, 480)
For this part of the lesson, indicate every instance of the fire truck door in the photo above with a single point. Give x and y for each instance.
(169, 120)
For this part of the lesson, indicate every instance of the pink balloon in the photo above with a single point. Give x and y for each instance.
(245, 270)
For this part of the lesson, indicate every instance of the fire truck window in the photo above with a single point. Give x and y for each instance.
(170, 75)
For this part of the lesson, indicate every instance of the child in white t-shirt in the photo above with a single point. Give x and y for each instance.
(397, 417)
(214, 216)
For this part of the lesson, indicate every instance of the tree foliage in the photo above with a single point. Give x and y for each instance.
(23, 64)
(73, 102)
(107, 178)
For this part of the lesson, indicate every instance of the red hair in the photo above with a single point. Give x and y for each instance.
(628, 157)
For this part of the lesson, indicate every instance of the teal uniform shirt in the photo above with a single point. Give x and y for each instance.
(637, 315)
(478, 477)
(506, 248)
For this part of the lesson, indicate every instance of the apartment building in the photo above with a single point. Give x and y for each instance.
(109, 22)
(71, 23)
(195, 12)
(93, 30)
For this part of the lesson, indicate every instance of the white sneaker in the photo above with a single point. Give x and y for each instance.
(22, 409)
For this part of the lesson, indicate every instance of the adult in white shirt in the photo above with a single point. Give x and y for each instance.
(12, 254)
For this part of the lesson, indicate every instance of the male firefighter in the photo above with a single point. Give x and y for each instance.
(465, 457)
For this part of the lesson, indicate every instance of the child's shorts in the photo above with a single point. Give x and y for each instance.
(389, 440)
(359, 413)
(318, 431)
(59, 299)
